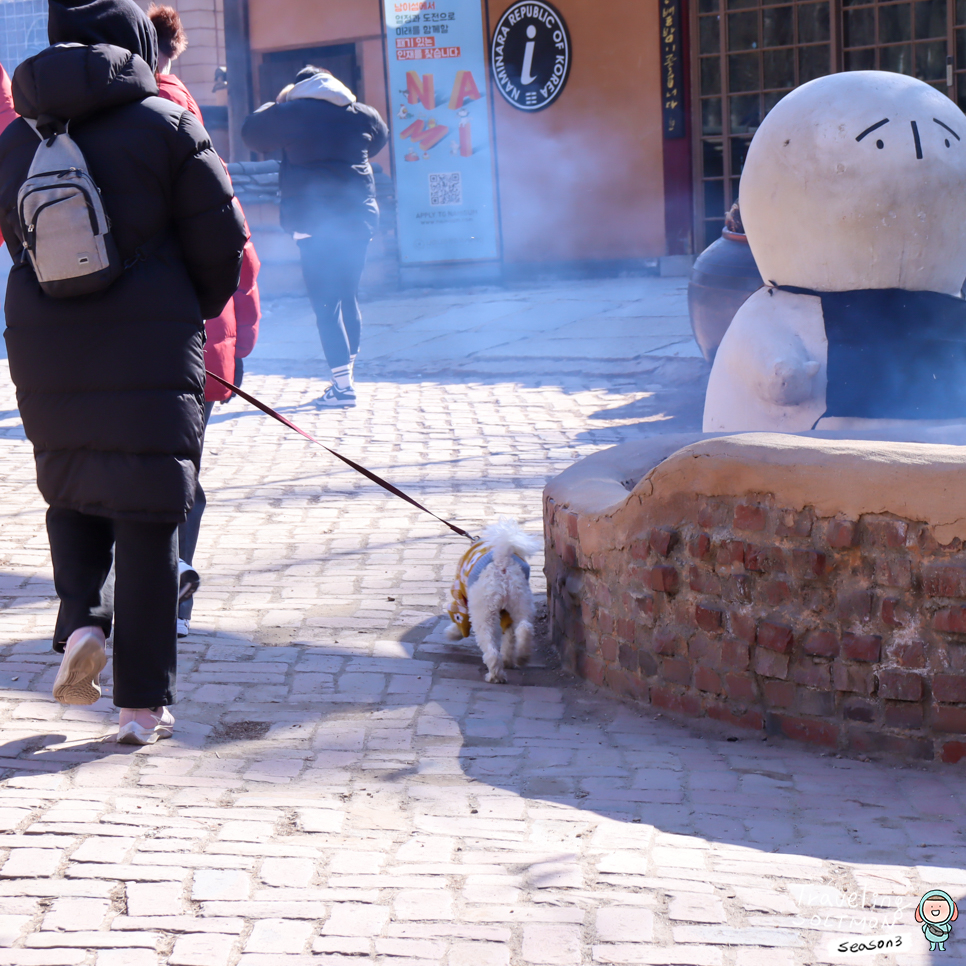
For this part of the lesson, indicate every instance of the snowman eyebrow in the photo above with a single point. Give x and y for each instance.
(948, 128)
(874, 127)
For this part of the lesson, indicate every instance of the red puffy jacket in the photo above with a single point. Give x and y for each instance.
(234, 333)
(7, 113)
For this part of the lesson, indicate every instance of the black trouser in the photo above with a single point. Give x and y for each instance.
(332, 265)
(142, 606)
(188, 531)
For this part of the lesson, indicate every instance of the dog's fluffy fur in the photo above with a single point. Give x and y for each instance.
(502, 587)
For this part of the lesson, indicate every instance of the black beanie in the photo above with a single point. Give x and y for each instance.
(119, 22)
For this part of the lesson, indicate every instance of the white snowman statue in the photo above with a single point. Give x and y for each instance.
(853, 197)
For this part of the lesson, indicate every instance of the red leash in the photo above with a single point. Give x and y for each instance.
(368, 474)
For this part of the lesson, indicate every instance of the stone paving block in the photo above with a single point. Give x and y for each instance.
(76, 915)
(640, 953)
(202, 950)
(553, 945)
(31, 862)
(279, 936)
(98, 849)
(479, 954)
(355, 919)
(155, 898)
(214, 884)
(11, 927)
(287, 872)
(624, 924)
(42, 957)
(127, 957)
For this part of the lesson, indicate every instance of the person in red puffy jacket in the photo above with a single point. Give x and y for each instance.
(7, 113)
(233, 334)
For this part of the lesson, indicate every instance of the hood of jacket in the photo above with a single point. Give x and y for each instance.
(121, 23)
(319, 87)
(71, 81)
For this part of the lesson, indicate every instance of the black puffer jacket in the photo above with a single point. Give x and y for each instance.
(111, 385)
(325, 175)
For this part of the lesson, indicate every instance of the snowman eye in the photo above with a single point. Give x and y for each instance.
(871, 128)
(879, 145)
(948, 128)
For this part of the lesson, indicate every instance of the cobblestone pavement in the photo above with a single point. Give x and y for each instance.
(343, 787)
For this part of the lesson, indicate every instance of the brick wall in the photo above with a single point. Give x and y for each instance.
(845, 632)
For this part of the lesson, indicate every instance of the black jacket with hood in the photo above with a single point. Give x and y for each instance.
(326, 138)
(111, 385)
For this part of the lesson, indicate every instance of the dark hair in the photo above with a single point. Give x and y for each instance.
(310, 71)
(172, 40)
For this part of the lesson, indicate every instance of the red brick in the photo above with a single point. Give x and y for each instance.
(741, 687)
(708, 617)
(568, 555)
(903, 715)
(854, 604)
(778, 694)
(707, 680)
(625, 683)
(704, 581)
(910, 654)
(812, 675)
(793, 524)
(640, 550)
(743, 626)
(773, 593)
(944, 580)
(820, 704)
(776, 637)
(952, 620)
(664, 580)
(894, 572)
(646, 606)
(855, 709)
(847, 677)
(866, 742)
(705, 651)
(900, 685)
(885, 534)
(591, 668)
(735, 655)
(627, 657)
(861, 647)
(667, 642)
(731, 553)
(670, 700)
(572, 529)
(676, 670)
(809, 564)
(747, 719)
(714, 514)
(648, 666)
(662, 540)
(699, 546)
(840, 534)
(749, 517)
(949, 719)
(770, 665)
(821, 644)
(608, 648)
(954, 752)
(805, 729)
(768, 560)
(949, 688)
(891, 612)
(737, 589)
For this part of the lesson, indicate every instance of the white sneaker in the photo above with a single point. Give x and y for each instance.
(183, 627)
(335, 398)
(188, 581)
(78, 679)
(144, 726)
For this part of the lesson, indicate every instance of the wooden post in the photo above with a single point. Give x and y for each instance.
(239, 63)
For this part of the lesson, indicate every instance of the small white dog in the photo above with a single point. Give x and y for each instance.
(491, 594)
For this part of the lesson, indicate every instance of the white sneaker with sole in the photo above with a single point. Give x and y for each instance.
(335, 398)
(184, 627)
(78, 679)
(144, 726)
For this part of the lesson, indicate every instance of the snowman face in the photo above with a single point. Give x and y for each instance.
(858, 180)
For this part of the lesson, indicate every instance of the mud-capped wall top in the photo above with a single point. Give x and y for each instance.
(857, 180)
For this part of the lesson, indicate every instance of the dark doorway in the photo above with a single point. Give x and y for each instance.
(279, 67)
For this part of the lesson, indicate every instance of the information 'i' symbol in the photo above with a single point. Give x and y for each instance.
(525, 76)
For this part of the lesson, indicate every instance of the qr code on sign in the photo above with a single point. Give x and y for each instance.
(445, 189)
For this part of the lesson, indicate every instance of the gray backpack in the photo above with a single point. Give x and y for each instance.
(65, 229)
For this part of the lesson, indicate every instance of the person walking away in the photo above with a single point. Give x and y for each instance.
(110, 384)
(230, 337)
(326, 138)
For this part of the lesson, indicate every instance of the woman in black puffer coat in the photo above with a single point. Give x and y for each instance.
(111, 385)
